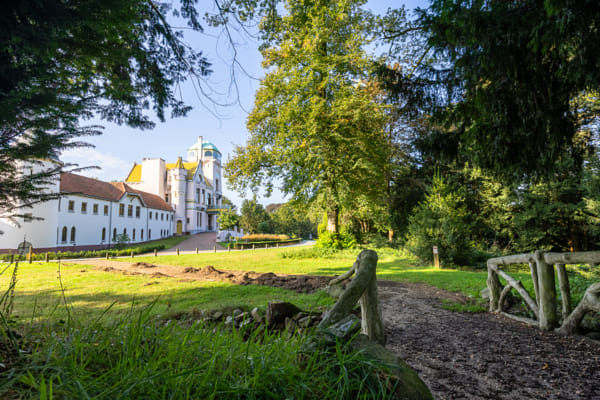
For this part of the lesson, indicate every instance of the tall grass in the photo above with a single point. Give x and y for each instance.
(140, 357)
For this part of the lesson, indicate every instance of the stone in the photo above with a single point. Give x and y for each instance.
(256, 315)
(277, 311)
(217, 315)
(334, 291)
(345, 328)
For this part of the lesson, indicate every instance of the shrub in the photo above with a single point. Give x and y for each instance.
(336, 240)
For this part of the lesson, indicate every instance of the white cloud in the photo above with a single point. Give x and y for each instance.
(111, 167)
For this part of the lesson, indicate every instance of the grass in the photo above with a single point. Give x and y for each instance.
(88, 333)
(138, 357)
(88, 292)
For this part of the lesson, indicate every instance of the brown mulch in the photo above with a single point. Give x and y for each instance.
(458, 355)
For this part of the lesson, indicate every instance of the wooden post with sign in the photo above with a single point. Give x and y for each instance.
(436, 257)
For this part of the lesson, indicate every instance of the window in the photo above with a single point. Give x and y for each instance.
(95, 209)
(167, 197)
(198, 219)
(64, 235)
(121, 210)
(130, 210)
(187, 220)
(103, 234)
(150, 214)
(28, 217)
(142, 235)
(115, 234)
(197, 195)
(149, 234)
(162, 216)
(124, 231)
(171, 217)
(71, 206)
(217, 185)
(105, 210)
(133, 234)
(137, 212)
(73, 234)
(84, 208)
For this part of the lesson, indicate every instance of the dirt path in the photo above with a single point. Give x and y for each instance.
(485, 356)
(458, 355)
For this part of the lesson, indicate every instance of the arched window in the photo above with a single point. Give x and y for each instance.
(142, 235)
(133, 234)
(124, 231)
(114, 234)
(64, 235)
(103, 234)
(73, 234)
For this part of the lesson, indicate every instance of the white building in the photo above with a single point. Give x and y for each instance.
(89, 216)
(191, 187)
(156, 200)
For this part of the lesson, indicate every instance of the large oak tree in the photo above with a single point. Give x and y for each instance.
(316, 129)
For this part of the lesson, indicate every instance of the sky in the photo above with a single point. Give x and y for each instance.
(115, 151)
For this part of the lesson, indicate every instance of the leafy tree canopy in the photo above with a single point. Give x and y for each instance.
(64, 61)
(315, 129)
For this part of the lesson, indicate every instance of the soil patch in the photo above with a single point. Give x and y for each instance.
(458, 355)
(298, 283)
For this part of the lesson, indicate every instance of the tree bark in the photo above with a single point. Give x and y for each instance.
(494, 285)
(536, 285)
(565, 290)
(364, 288)
(589, 302)
(547, 315)
(332, 219)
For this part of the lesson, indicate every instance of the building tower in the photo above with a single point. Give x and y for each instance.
(177, 177)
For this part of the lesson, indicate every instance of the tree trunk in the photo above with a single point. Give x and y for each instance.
(332, 219)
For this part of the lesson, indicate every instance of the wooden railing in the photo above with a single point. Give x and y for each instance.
(543, 303)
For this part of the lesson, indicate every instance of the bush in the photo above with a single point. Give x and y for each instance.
(336, 240)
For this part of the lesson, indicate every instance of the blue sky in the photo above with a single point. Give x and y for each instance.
(119, 147)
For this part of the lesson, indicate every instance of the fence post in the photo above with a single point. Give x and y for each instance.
(155, 252)
(253, 246)
(47, 257)
(30, 254)
(215, 248)
(493, 284)
(178, 251)
(547, 317)
(196, 250)
(107, 255)
(132, 253)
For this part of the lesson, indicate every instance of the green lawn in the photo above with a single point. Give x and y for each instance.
(90, 292)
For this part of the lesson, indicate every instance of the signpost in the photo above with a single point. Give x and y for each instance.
(436, 257)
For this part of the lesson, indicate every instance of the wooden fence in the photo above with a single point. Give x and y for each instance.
(543, 304)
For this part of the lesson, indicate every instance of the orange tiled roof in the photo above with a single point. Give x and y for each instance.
(72, 183)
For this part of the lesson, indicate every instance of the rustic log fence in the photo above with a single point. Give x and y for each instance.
(362, 289)
(543, 304)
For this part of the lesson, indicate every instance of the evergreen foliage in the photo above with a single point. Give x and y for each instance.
(441, 220)
(62, 62)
